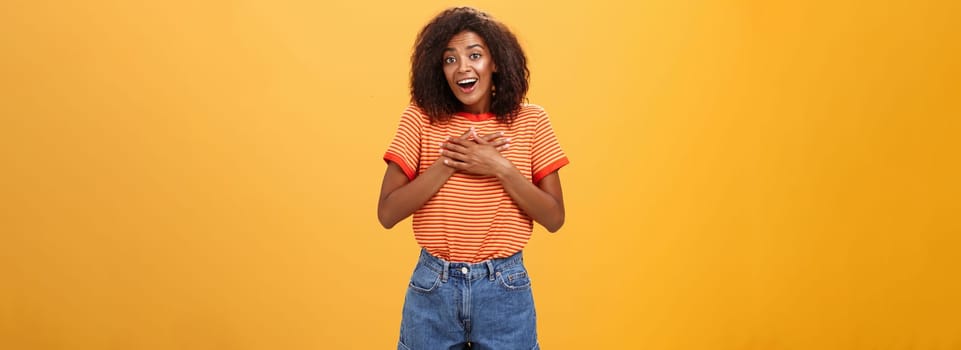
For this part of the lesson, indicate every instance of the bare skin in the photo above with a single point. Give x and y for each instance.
(466, 58)
(401, 197)
(544, 202)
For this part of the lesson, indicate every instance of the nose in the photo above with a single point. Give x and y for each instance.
(464, 66)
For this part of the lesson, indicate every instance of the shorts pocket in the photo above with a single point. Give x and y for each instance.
(514, 278)
(424, 280)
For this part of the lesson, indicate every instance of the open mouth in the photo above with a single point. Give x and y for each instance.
(467, 85)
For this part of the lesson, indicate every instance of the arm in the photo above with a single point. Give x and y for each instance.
(400, 197)
(544, 202)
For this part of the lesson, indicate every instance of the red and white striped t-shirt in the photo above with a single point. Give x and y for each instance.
(472, 218)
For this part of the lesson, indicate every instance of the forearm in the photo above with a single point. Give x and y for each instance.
(544, 207)
(397, 204)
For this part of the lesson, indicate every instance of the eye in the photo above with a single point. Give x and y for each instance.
(474, 56)
(450, 59)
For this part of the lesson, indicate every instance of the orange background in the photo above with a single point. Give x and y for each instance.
(745, 174)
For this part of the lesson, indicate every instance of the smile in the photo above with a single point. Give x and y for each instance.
(467, 85)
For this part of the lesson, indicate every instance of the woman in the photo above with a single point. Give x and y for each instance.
(475, 166)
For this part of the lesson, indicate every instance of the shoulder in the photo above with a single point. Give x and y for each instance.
(530, 111)
(414, 113)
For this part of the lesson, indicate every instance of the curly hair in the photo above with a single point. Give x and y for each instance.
(428, 86)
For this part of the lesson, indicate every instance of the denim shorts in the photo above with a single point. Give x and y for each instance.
(480, 306)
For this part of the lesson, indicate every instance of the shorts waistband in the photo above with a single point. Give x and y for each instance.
(470, 271)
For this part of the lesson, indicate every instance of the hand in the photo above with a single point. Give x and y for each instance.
(478, 156)
(443, 161)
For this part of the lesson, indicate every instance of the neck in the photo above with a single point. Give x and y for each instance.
(479, 107)
(476, 109)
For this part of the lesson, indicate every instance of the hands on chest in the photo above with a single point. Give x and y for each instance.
(477, 154)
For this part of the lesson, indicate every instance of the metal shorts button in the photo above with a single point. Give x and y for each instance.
(464, 270)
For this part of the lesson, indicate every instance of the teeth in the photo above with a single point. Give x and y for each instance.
(467, 81)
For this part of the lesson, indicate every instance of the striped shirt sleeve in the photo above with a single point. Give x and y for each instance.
(546, 154)
(404, 149)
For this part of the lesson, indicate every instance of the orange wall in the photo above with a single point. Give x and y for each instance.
(745, 174)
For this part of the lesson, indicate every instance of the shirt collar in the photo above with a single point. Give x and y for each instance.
(476, 117)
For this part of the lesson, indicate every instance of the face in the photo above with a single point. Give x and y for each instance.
(469, 67)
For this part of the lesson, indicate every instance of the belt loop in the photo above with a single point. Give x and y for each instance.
(490, 270)
(444, 272)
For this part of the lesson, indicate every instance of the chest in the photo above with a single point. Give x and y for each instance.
(520, 134)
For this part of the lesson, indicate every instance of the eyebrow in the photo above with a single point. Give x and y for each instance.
(468, 47)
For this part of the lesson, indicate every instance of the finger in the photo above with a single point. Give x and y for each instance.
(456, 147)
(459, 142)
(454, 155)
(478, 139)
(467, 134)
(503, 148)
(501, 142)
(493, 136)
(454, 164)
